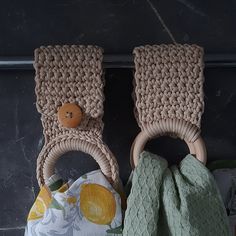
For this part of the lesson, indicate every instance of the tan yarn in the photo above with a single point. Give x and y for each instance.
(71, 74)
(169, 86)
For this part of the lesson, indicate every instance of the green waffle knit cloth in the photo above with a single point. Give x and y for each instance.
(176, 201)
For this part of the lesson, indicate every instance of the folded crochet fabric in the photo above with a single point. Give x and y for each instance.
(180, 201)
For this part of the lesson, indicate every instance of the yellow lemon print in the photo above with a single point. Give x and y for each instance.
(97, 204)
(71, 200)
(63, 188)
(40, 205)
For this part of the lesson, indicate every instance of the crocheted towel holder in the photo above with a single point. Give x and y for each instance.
(168, 96)
(71, 74)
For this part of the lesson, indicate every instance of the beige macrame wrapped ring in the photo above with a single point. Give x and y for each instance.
(69, 82)
(55, 149)
(168, 96)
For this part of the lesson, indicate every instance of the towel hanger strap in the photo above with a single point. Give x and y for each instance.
(168, 95)
(69, 91)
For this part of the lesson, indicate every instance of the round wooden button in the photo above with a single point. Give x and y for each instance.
(70, 115)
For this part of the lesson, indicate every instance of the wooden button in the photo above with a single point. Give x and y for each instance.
(70, 115)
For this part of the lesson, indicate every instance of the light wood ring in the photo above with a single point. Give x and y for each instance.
(196, 146)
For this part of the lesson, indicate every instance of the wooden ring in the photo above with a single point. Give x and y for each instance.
(196, 147)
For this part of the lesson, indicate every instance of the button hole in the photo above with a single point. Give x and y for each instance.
(69, 114)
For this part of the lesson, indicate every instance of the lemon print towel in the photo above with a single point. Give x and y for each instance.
(88, 206)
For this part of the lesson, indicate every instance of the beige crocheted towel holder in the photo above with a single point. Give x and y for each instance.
(71, 74)
(169, 95)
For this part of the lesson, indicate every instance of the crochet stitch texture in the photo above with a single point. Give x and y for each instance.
(168, 83)
(71, 74)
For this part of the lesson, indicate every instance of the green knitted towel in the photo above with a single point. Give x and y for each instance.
(181, 201)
